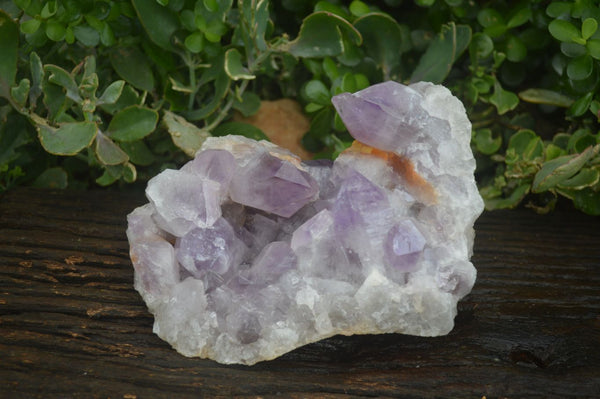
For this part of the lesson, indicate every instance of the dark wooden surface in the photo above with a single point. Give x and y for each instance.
(71, 324)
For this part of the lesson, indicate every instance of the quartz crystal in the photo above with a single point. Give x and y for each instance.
(246, 252)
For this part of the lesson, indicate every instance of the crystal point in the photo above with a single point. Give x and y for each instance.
(273, 185)
(247, 253)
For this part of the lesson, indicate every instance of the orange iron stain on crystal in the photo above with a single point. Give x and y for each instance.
(404, 168)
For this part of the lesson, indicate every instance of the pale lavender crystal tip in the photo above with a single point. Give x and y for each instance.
(246, 253)
(387, 116)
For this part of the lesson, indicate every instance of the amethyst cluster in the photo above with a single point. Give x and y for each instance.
(246, 253)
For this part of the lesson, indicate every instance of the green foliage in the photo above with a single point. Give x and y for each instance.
(95, 91)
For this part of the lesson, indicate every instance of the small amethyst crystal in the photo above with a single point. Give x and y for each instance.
(246, 253)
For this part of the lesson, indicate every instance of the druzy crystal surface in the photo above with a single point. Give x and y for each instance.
(246, 252)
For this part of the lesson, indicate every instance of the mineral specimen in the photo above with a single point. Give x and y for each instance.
(246, 253)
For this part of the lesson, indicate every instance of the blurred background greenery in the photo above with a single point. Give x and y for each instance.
(111, 92)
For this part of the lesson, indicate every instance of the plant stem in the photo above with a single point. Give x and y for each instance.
(225, 111)
(189, 62)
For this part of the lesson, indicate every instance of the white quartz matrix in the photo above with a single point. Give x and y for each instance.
(246, 253)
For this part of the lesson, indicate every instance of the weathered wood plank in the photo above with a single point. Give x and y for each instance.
(71, 324)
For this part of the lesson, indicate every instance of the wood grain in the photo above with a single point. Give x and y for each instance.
(71, 324)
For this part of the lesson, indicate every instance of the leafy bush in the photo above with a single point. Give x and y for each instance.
(107, 91)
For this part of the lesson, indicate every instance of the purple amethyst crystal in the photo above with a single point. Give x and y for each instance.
(273, 185)
(387, 115)
(208, 253)
(183, 201)
(247, 253)
(216, 165)
(403, 246)
(274, 260)
(357, 202)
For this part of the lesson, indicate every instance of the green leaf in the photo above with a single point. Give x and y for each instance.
(49, 9)
(312, 107)
(588, 28)
(127, 98)
(358, 8)
(317, 92)
(129, 172)
(559, 8)
(54, 98)
(195, 42)
(559, 169)
(572, 49)
(138, 152)
(509, 202)
(107, 36)
(489, 17)
(20, 92)
(580, 140)
(580, 106)
(580, 68)
(111, 174)
(352, 55)
(186, 136)
(383, 40)
(132, 123)
(329, 7)
(330, 68)
(526, 145)
(249, 105)
(68, 139)
(503, 100)
(593, 47)
(561, 140)
(9, 43)
(442, 52)
(586, 200)
(321, 35)
(515, 49)
(362, 82)
(563, 30)
(112, 93)
(499, 58)
(348, 83)
(160, 23)
(240, 129)
(554, 151)
(89, 66)
(233, 66)
(132, 66)
(519, 18)
(481, 46)
(55, 31)
(13, 134)
(108, 152)
(486, 143)
(86, 35)
(586, 177)
(495, 31)
(543, 96)
(52, 178)
(60, 77)
(31, 26)
(595, 108)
